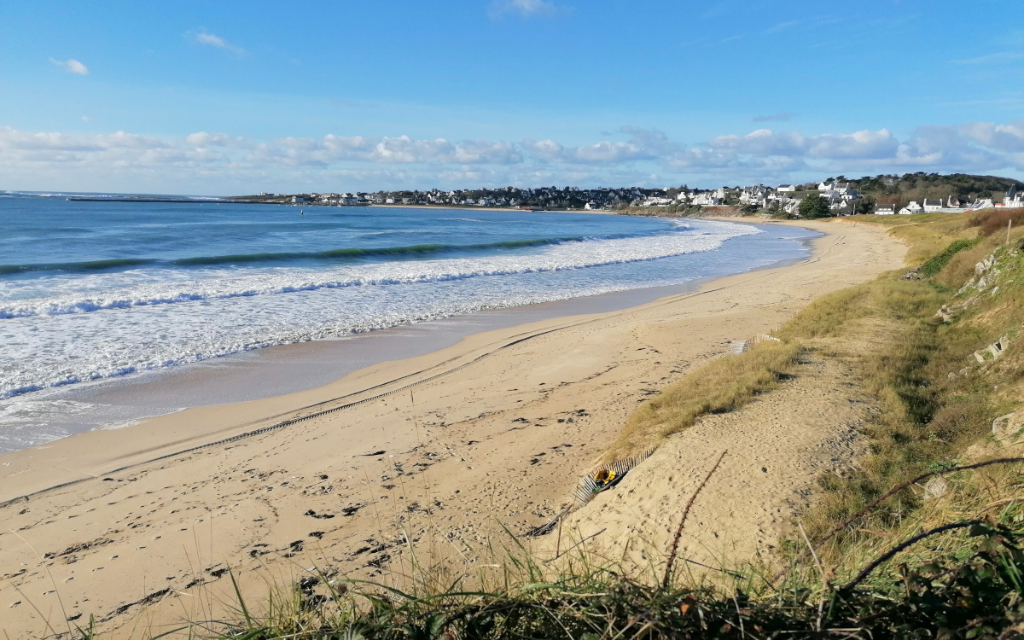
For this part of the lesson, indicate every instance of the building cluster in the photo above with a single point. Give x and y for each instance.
(504, 197)
(841, 198)
(1014, 199)
(786, 197)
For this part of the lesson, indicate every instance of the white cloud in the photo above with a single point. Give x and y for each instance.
(993, 58)
(643, 144)
(1005, 137)
(765, 142)
(860, 144)
(524, 8)
(484, 152)
(72, 66)
(203, 139)
(639, 156)
(209, 39)
(545, 149)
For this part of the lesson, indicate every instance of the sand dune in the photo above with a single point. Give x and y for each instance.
(450, 447)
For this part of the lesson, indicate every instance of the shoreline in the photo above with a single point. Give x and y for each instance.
(122, 402)
(498, 426)
(423, 340)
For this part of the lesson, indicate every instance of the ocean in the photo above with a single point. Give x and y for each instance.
(95, 292)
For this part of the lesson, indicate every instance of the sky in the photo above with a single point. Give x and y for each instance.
(237, 97)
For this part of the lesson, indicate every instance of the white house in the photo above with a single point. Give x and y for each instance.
(932, 206)
(707, 199)
(786, 188)
(757, 194)
(793, 206)
(885, 211)
(1014, 199)
(657, 202)
(911, 208)
(981, 203)
(842, 189)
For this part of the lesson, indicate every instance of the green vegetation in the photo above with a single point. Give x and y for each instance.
(936, 263)
(814, 206)
(900, 190)
(933, 600)
(936, 402)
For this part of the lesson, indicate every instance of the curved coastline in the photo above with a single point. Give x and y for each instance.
(246, 372)
(553, 391)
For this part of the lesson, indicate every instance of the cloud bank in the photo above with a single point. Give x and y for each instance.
(205, 162)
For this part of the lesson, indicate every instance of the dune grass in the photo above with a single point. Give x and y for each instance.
(724, 384)
(935, 402)
(925, 234)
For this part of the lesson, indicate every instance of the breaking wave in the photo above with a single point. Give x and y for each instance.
(560, 255)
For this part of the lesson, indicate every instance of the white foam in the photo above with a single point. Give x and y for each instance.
(98, 326)
(219, 283)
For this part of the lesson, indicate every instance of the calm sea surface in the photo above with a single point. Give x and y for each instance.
(97, 290)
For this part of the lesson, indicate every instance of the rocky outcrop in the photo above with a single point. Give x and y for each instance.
(1006, 429)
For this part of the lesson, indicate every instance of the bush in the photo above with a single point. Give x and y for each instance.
(993, 220)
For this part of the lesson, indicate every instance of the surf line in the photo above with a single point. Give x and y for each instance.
(292, 421)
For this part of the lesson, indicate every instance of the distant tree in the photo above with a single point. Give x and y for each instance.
(814, 206)
(865, 205)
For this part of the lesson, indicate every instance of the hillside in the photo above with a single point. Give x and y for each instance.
(900, 190)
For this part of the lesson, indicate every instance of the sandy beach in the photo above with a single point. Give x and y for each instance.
(436, 452)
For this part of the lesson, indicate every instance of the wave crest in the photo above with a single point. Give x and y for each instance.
(219, 285)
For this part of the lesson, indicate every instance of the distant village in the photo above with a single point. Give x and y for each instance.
(786, 199)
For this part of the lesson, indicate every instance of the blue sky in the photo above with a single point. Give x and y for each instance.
(230, 97)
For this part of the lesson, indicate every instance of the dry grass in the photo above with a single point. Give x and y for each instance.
(928, 411)
(925, 234)
(935, 401)
(992, 221)
(722, 385)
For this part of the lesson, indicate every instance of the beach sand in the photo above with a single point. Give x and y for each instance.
(450, 448)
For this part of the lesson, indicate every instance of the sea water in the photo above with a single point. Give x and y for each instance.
(101, 289)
